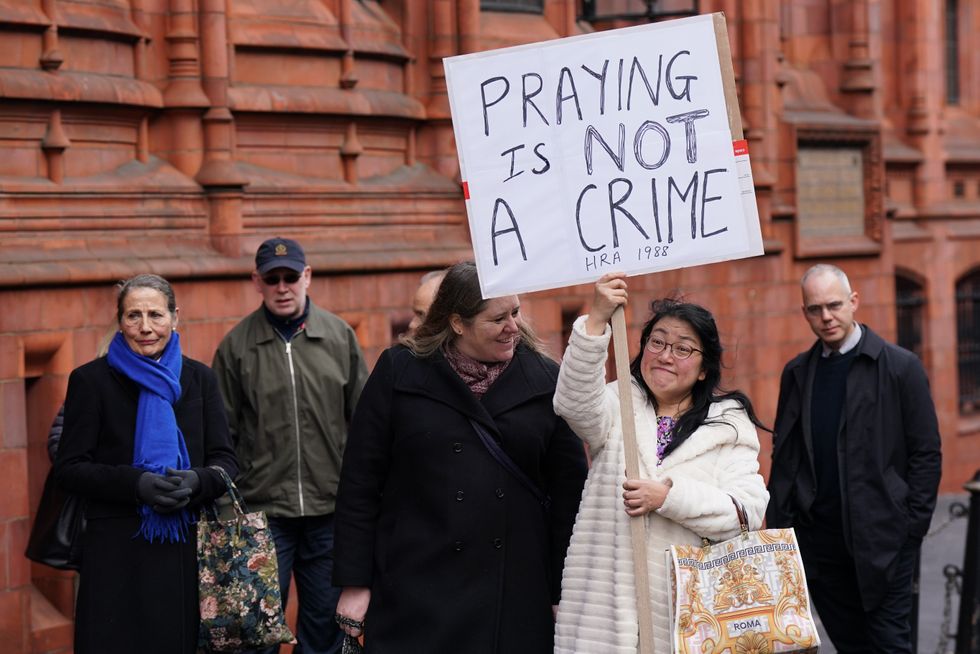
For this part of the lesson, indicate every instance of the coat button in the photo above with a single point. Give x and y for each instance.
(459, 496)
(499, 492)
(458, 546)
(457, 447)
(498, 543)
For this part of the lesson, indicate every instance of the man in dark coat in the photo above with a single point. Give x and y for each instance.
(856, 467)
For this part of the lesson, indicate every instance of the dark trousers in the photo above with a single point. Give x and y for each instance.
(304, 548)
(831, 577)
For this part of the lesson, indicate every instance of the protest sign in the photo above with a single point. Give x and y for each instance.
(613, 151)
(601, 152)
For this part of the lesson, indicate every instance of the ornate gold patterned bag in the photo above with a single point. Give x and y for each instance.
(746, 595)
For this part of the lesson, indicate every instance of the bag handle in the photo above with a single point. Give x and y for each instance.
(508, 464)
(743, 521)
(236, 497)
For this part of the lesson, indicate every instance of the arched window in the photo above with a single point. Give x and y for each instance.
(968, 341)
(910, 300)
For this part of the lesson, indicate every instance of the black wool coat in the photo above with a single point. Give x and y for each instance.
(135, 596)
(459, 556)
(888, 453)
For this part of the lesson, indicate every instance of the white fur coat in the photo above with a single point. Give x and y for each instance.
(598, 603)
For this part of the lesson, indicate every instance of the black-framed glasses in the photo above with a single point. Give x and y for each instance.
(274, 280)
(679, 350)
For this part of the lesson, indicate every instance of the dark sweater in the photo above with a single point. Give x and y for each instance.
(826, 409)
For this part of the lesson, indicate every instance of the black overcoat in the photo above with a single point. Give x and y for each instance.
(135, 596)
(459, 556)
(888, 453)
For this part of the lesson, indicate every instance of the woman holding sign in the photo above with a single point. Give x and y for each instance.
(698, 449)
(459, 486)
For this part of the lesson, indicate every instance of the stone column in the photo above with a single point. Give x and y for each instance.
(183, 99)
(468, 25)
(54, 144)
(860, 81)
(348, 76)
(757, 26)
(223, 182)
(922, 36)
(442, 43)
(51, 57)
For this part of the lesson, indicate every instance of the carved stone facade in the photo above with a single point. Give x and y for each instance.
(173, 136)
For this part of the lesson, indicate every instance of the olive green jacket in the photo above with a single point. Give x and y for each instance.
(289, 405)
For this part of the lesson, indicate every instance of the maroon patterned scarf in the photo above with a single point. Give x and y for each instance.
(478, 376)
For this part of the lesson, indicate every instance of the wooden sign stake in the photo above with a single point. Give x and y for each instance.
(644, 613)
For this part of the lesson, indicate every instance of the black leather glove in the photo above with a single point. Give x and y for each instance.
(162, 494)
(188, 479)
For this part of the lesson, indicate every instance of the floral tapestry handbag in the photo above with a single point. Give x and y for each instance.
(238, 580)
(746, 594)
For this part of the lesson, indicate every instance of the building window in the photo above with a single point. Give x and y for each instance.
(968, 341)
(522, 6)
(959, 188)
(952, 53)
(910, 303)
(638, 10)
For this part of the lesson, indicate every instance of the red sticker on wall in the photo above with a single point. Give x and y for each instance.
(466, 190)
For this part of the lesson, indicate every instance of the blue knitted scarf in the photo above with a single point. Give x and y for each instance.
(158, 441)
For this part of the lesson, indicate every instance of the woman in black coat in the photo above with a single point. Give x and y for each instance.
(438, 547)
(138, 579)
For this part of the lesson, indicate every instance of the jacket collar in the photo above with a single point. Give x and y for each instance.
(802, 366)
(315, 326)
(871, 344)
(524, 379)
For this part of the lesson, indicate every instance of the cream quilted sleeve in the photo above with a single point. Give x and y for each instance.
(722, 462)
(581, 396)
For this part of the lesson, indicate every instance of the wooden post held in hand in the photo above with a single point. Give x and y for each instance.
(644, 613)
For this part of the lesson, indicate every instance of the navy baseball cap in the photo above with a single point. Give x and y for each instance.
(280, 253)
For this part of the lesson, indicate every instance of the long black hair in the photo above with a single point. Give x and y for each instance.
(705, 390)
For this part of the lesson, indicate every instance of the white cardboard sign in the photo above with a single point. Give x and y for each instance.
(607, 151)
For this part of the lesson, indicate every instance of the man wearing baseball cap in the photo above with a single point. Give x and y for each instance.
(290, 373)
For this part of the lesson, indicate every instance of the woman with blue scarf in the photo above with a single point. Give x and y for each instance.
(142, 426)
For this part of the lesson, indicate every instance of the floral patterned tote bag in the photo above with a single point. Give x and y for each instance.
(238, 580)
(746, 594)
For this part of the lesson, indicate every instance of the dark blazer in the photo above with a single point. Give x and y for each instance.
(459, 556)
(135, 596)
(888, 454)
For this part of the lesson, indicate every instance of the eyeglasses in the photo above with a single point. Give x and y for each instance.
(274, 280)
(817, 309)
(679, 350)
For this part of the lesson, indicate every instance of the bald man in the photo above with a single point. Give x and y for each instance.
(426, 292)
(856, 464)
